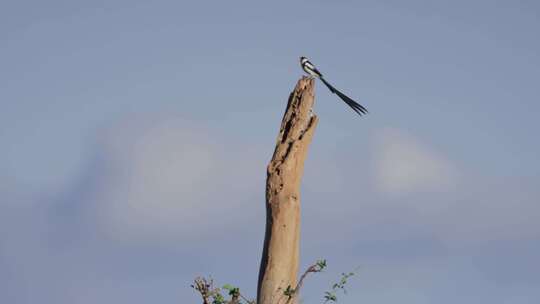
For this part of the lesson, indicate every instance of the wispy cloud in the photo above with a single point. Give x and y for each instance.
(167, 179)
(403, 164)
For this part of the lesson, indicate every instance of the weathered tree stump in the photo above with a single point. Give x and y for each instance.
(279, 263)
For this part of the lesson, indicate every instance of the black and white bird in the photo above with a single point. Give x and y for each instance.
(312, 70)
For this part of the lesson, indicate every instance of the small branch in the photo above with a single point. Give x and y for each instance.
(246, 299)
(317, 267)
(213, 295)
(204, 288)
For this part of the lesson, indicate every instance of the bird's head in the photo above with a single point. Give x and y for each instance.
(303, 59)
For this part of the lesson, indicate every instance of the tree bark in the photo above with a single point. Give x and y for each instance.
(279, 263)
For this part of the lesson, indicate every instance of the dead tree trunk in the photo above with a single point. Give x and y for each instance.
(279, 263)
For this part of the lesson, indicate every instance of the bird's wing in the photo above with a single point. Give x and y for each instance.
(311, 67)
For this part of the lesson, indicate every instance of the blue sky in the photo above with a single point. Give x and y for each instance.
(134, 138)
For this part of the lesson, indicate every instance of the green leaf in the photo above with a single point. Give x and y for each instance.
(289, 291)
(330, 296)
(218, 299)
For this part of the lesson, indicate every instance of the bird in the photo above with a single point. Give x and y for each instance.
(309, 68)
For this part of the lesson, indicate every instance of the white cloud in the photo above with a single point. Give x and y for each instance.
(169, 179)
(479, 209)
(404, 165)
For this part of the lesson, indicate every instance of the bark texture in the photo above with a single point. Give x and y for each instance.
(279, 263)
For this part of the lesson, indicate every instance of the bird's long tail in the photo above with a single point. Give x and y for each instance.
(358, 108)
